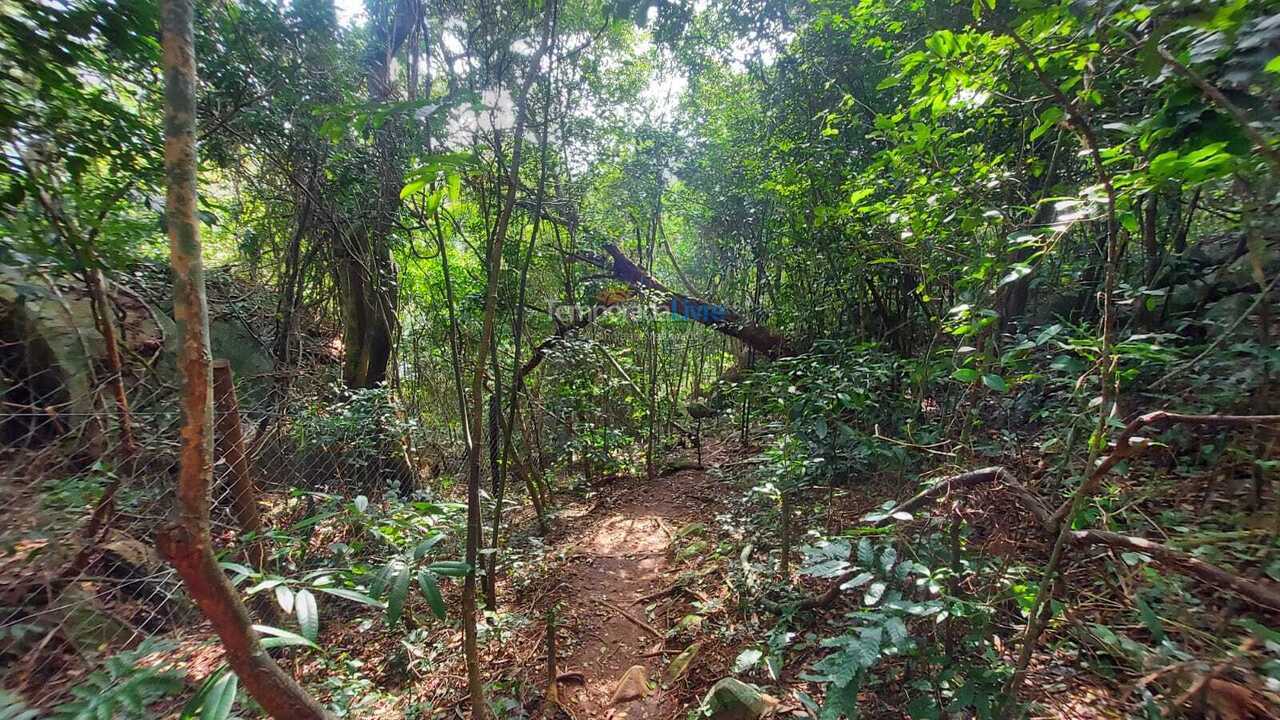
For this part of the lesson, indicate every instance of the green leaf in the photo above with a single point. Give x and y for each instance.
(896, 629)
(412, 187)
(858, 196)
(1273, 65)
(874, 593)
(1048, 119)
(420, 551)
(221, 698)
(379, 585)
(431, 589)
(285, 597)
(308, 614)
(455, 189)
(352, 595)
(216, 697)
(1150, 619)
(888, 559)
(398, 593)
(746, 660)
(965, 375)
(864, 653)
(1016, 273)
(866, 553)
(264, 585)
(995, 382)
(858, 581)
(450, 568)
(287, 638)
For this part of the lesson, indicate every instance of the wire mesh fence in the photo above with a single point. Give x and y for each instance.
(80, 581)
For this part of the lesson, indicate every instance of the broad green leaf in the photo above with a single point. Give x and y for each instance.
(379, 585)
(264, 585)
(874, 593)
(1048, 119)
(859, 195)
(450, 568)
(965, 375)
(285, 597)
(351, 595)
(221, 698)
(858, 581)
(896, 629)
(308, 614)
(1149, 618)
(431, 589)
(866, 553)
(888, 559)
(455, 189)
(241, 571)
(284, 636)
(864, 653)
(1016, 273)
(397, 592)
(199, 704)
(412, 187)
(420, 551)
(746, 660)
(995, 382)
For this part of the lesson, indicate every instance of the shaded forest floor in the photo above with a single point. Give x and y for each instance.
(648, 574)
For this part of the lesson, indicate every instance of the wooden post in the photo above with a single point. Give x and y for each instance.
(230, 447)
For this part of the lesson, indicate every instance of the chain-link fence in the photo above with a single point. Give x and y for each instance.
(80, 581)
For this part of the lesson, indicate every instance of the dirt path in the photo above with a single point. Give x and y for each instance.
(622, 550)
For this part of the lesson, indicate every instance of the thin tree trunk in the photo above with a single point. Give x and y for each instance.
(517, 332)
(493, 267)
(784, 564)
(455, 336)
(185, 541)
(107, 326)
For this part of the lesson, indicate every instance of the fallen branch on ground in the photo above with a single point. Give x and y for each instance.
(1265, 594)
(634, 620)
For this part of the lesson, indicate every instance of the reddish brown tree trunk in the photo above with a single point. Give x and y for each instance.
(184, 541)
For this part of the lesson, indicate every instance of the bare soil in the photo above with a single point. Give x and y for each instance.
(622, 552)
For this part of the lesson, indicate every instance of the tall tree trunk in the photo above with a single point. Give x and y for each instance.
(367, 276)
(517, 332)
(493, 268)
(184, 540)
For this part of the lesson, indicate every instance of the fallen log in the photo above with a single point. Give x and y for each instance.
(718, 317)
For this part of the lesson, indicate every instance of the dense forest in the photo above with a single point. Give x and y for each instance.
(607, 359)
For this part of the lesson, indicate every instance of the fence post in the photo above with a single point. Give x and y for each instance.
(230, 447)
